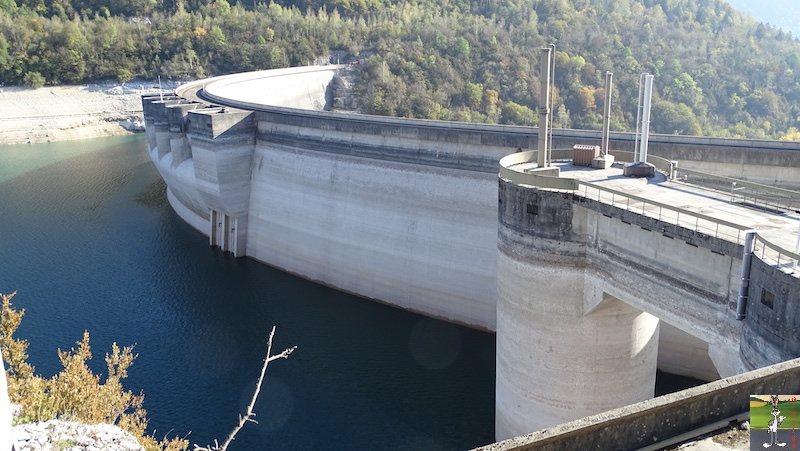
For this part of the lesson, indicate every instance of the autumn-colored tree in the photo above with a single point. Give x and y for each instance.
(75, 393)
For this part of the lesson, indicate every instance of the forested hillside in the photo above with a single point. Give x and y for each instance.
(717, 72)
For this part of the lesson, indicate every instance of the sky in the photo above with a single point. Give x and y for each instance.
(782, 13)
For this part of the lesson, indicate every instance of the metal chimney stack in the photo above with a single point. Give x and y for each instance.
(645, 97)
(640, 167)
(544, 109)
(606, 115)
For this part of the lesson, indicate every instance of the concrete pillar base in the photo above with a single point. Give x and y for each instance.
(557, 363)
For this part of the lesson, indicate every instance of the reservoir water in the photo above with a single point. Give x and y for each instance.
(89, 242)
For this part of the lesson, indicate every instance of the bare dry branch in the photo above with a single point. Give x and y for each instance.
(249, 415)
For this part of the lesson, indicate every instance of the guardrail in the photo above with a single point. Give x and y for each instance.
(744, 192)
(775, 255)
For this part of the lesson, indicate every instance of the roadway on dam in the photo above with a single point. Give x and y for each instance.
(779, 226)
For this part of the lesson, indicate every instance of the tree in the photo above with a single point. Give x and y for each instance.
(586, 99)
(75, 392)
(672, 118)
(78, 394)
(514, 113)
(473, 94)
(461, 48)
(685, 90)
(249, 414)
(222, 7)
(124, 75)
(33, 80)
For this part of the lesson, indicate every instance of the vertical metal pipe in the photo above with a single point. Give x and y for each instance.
(606, 115)
(544, 109)
(648, 94)
(638, 120)
(552, 82)
(744, 283)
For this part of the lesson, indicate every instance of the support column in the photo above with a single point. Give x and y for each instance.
(560, 356)
(556, 364)
(227, 232)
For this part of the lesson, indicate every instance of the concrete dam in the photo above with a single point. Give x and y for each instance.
(591, 280)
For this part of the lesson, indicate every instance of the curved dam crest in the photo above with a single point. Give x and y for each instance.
(410, 213)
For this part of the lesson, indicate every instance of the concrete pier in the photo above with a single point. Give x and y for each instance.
(556, 361)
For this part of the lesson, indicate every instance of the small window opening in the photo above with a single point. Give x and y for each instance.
(767, 298)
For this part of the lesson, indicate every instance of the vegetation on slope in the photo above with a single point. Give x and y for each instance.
(75, 393)
(717, 71)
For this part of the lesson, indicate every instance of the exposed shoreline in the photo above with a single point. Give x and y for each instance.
(60, 113)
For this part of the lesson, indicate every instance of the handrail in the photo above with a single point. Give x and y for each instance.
(662, 205)
(794, 195)
(789, 264)
(532, 178)
(782, 257)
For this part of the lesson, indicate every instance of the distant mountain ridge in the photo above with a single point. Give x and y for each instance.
(784, 14)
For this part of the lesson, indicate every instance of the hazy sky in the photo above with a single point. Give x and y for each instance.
(782, 13)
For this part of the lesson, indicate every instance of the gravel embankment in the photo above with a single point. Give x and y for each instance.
(57, 113)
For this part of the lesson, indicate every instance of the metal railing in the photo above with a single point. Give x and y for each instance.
(775, 255)
(752, 194)
(663, 212)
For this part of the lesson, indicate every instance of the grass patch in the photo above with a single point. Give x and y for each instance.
(66, 444)
(760, 415)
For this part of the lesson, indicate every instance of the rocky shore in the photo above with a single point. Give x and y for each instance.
(57, 435)
(57, 113)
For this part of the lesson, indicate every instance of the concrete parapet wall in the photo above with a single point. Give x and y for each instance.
(648, 422)
(307, 88)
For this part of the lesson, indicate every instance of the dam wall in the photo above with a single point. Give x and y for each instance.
(399, 211)
(587, 298)
(415, 236)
